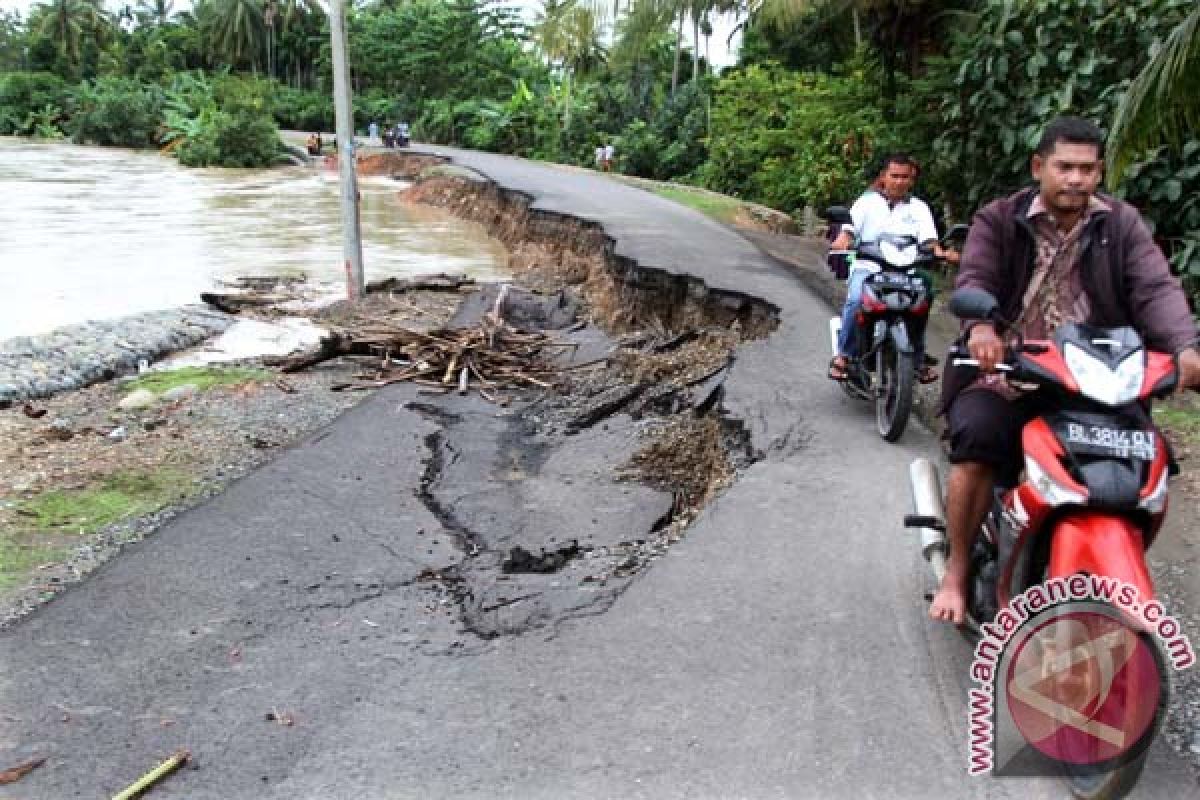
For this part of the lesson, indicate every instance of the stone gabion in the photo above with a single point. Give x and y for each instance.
(80, 355)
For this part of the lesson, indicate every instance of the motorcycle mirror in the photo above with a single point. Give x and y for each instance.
(839, 214)
(974, 304)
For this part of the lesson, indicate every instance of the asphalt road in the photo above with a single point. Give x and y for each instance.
(780, 651)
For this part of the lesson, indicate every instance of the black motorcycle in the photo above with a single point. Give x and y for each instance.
(895, 303)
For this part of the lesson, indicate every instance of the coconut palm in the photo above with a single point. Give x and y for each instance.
(568, 34)
(154, 12)
(894, 28)
(238, 30)
(1162, 104)
(68, 24)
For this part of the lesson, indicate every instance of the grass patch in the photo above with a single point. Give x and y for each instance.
(202, 378)
(117, 497)
(719, 207)
(1184, 423)
(16, 559)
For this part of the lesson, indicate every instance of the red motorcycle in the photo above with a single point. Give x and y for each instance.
(1093, 495)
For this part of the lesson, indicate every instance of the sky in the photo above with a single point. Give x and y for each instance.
(722, 26)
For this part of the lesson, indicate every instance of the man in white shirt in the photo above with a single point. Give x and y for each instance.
(887, 207)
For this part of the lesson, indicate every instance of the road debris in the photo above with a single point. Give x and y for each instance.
(490, 358)
(440, 282)
(151, 778)
(20, 771)
(284, 718)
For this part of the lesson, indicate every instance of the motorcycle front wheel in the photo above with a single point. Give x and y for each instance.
(894, 376)
(1118, 782)
(1106, 786)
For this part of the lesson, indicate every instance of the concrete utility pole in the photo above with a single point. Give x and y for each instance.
(344, 115)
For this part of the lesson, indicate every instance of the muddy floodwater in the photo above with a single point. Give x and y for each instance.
(91, 233)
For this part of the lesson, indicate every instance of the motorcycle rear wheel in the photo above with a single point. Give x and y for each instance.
(894, 378)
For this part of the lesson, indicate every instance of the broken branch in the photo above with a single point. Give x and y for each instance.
(154, 776)
(20, 771)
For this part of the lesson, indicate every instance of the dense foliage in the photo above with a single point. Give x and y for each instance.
(789, 139)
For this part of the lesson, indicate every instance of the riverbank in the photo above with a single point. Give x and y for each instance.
(80, 355)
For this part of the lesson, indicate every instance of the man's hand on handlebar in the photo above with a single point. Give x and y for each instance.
(986, 346)
(949, 255)
(1189, 369)
(843, 241)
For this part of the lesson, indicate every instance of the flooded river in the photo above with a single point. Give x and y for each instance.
(94, 233)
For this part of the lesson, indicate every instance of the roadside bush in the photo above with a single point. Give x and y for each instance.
(1003, 82)
(220, 121)
(792, 139)
(232, 140)
(29, 100)
(117, 112)
(302, 110)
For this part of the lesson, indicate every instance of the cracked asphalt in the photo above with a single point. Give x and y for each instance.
(780, 651)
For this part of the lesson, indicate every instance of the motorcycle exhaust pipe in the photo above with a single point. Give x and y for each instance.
(930, 514)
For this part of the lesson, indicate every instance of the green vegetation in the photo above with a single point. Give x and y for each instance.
(822, 88)
(18, 555)
(117, 497)
(1181, 419)
(718, 206)
(202, 378)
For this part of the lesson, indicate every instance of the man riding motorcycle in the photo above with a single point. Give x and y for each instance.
(887, 207)
(1058, 252)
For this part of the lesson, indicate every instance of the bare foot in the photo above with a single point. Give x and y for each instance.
(949, 604)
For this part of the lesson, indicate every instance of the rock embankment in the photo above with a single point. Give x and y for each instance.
(80, 355)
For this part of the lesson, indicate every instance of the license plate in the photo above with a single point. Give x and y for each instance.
(894, 280)
(1105, 440)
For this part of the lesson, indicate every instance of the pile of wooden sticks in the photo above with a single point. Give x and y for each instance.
(491, 358)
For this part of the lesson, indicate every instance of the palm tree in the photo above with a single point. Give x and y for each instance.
(1162, 103)
(68, 24)
(552, 34)
(585, 54)
(895, 27)
(155, 12)
(238, 30)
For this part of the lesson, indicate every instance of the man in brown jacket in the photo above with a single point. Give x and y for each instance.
(1058, 252)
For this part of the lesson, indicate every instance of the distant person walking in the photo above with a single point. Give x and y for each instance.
(373, 132)
(608, 157)
(599, 156)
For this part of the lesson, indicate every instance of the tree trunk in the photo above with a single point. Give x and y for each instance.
(567, 105)
(890, 44)
(857, 28)
(678, 46)
(695, 48)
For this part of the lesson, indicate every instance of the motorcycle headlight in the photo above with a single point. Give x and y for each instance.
(1156, 501)
(1055, 493)
(1113, 387)
(898, 256)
